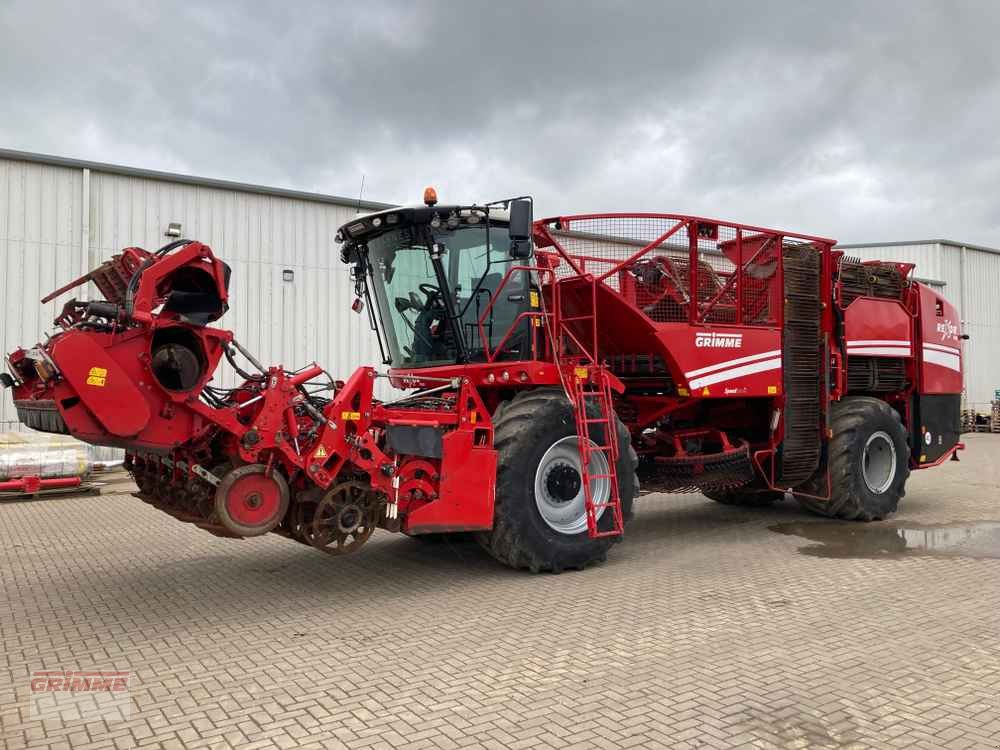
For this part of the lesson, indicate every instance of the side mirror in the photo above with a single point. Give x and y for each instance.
(520, 220)
(520, 228)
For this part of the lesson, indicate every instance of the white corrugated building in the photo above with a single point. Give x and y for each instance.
(968, 276)
(59, 218)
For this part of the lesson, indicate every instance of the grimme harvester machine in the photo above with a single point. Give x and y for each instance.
(544, 365)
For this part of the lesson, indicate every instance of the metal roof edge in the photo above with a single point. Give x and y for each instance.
(950, 243)
(184, 179)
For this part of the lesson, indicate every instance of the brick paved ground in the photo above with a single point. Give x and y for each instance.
(704, 629)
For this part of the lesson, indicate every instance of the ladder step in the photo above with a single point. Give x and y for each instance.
(587, 393)
(602, 534)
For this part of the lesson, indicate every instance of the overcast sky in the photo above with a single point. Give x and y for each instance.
(864, 121)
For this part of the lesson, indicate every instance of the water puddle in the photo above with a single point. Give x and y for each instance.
(895, 540)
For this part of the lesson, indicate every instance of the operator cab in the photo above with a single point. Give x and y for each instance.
(433, 278)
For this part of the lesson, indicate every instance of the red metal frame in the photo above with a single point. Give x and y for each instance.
(709, 338)
(100, 383)
(669, 338)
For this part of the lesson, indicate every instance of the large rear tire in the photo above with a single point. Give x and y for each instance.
(869, 462)
(539, 521)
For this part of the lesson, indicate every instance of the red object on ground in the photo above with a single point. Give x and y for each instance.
(32, 485)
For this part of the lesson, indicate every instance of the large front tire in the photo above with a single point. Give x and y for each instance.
(869, 462)
(539, 521)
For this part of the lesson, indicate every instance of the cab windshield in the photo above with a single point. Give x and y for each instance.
(413, 308)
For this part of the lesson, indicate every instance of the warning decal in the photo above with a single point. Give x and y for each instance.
(97, 376)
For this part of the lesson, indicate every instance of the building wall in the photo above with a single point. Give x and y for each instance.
(982, 323)
(968, 279)
(40, 249)
(57, 222)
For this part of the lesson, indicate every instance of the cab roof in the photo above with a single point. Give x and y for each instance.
(366, 226)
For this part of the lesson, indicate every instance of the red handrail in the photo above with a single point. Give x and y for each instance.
(490, 356)
(541, 223)
(652, 245)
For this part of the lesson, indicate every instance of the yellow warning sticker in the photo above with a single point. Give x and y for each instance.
(97, 376)
(472, 417)
(350, 416)
(771, 390)
(533, 297)
(705, 391)
(683, 392)
(321, 452)
(580, 372)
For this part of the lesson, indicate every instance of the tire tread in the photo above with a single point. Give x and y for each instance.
(508, 541)
(850, 421)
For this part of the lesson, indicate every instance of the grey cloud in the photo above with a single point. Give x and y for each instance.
(857, 120)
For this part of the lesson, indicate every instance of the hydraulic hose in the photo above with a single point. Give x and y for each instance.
(134, 281)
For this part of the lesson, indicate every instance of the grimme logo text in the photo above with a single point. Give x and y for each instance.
(718, 340)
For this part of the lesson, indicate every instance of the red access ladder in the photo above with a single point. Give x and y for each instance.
(588, 384)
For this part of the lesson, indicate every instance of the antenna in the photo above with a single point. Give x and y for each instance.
(360, 194)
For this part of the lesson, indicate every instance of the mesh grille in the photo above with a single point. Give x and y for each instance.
(662, 281)
(599, 245)
(657, 283)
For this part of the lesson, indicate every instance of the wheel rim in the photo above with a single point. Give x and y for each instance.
(878, 462)
(249, 501)
(253, 500)
(559, 493)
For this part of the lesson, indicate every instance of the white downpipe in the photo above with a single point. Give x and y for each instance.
(85, 232)
(963, 275)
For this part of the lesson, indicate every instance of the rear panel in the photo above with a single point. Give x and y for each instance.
(941, 352)
(937, 403)
(936, 425)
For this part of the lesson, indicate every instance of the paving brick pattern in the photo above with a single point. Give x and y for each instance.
(703, 630)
